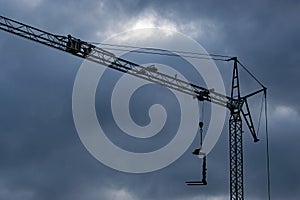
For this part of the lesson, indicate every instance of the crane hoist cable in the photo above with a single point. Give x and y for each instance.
(208, 57)
(267, 148)
(161, 50)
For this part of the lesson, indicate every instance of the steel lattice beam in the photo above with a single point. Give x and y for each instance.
(98, 55)
(236, 157)
(236, 139)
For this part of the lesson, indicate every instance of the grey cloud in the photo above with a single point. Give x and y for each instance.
(41, 154)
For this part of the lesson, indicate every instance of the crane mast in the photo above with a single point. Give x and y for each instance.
(237, 104)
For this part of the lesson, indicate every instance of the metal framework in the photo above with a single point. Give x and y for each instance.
(236, 140)
(235, 103)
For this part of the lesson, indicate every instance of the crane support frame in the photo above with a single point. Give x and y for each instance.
(236, 157)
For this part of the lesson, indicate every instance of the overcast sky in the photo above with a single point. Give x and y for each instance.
(41, 154)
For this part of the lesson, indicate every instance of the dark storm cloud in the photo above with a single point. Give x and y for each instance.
(41, 154)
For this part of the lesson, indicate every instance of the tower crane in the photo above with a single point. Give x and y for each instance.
(237, 104)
